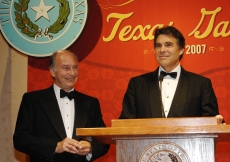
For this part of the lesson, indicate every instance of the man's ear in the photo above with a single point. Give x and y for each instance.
(52, 72)
(181, 51)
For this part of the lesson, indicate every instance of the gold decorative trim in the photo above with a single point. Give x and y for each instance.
(217, 49)
(147, 51)
(109, 5)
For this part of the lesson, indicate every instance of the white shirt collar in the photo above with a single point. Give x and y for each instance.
(57, 90)
(176, 69)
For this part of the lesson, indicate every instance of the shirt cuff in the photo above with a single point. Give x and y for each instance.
(89, 156)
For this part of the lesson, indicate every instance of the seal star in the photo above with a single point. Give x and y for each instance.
(42, 10)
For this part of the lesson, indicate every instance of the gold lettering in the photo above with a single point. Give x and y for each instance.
(209, 28)
(223, 31)
(124, 32)
(151, 32)
(141, 33)
(127, 33)
(120, 18)
(141, 30)
(138, 28)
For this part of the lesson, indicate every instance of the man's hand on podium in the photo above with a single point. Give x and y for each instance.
(220, 119)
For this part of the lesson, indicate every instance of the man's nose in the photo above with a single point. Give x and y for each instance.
(162, 49)
(73, 72)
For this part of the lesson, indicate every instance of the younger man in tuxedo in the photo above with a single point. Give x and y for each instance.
(170, 90)
(47, 119)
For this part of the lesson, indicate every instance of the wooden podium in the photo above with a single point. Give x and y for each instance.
(161, 139)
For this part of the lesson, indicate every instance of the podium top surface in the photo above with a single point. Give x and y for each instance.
(146, 128)
(192, 121)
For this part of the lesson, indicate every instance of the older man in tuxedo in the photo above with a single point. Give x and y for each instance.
(170, 90)
(48, 118)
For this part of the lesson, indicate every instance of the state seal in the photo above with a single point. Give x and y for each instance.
(164, 152)
(40, 27)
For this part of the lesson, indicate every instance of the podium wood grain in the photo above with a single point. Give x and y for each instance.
(197, 136)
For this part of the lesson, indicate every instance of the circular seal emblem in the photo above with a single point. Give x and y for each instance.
(40, 27)
(164, 152)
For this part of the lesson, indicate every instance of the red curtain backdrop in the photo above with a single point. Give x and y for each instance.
(117, 44)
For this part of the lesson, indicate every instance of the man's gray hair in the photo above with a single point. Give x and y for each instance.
(54, 55)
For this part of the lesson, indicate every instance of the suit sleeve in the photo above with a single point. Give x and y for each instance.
(24, 137)
(129, 109)
(209, 100)
(98, 150)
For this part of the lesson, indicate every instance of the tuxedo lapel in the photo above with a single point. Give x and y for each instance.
(80, 113)
(179, 100)
(50, 106)
(154, 95)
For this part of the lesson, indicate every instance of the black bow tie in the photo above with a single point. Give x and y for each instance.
(70, 95)
(172, 74)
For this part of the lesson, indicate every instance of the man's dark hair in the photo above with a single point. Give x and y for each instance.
(170, 30)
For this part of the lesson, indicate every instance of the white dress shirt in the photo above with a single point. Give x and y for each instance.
(169, 86)
(67, 111)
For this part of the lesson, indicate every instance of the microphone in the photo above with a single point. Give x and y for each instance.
(161, 77)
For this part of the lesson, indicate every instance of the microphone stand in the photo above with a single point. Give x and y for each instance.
(162, 106)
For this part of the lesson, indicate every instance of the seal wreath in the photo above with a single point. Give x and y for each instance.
(33, 30)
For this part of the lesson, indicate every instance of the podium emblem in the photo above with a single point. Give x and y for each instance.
(164, 152)
(40, 27)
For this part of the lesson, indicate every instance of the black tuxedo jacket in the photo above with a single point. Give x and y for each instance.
(194, 97)
(40, 127)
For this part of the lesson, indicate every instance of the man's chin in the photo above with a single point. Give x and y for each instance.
(163, 63)
(69, 86)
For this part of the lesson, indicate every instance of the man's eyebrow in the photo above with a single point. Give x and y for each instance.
(64, 65)
(163, 43)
